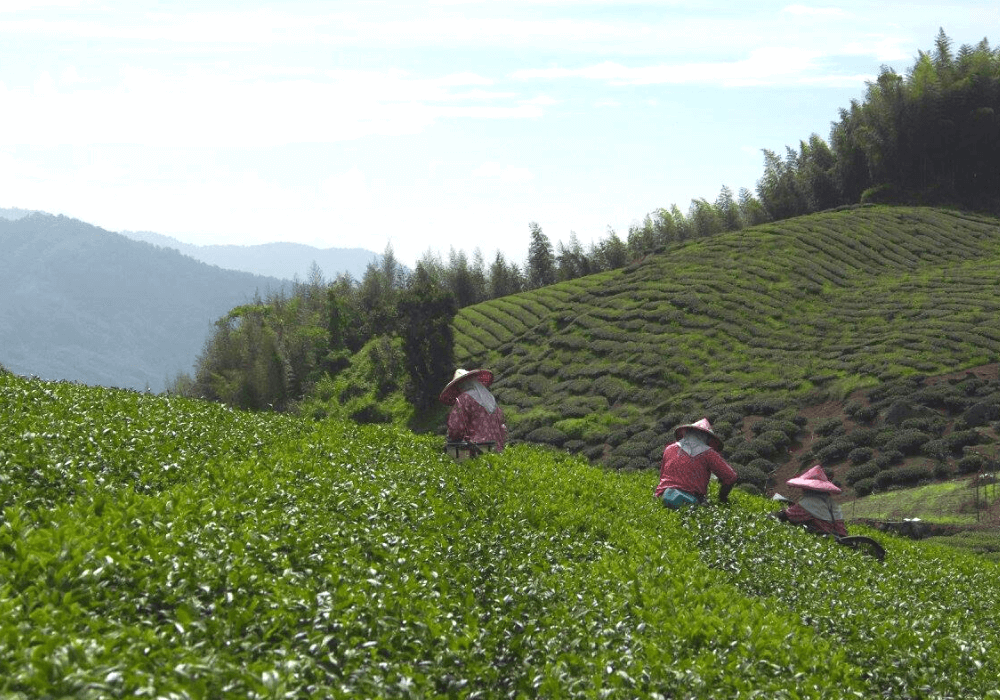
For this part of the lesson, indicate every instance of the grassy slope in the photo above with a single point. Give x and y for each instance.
(180, 549)
(798, 311)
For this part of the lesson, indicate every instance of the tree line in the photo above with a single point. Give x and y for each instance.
(930, 137)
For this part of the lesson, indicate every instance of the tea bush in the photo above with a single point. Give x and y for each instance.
(834, 452)
(866, 414)
(864, 487)
(750, 475)
(884, 479)
(156, 547)
(909, 475)
(547, 434)
(830, 426)
(970, 463)
(860, 455)
(938, 449)
(908, 442)
(963, 438)
(868, 470)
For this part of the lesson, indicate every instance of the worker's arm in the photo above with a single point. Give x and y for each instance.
(724, 490)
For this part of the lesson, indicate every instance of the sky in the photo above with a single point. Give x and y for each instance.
(430, 127)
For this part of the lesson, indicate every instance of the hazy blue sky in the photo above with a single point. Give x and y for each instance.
(429, 125)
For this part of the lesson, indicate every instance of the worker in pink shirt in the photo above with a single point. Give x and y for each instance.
(816, 510)
(688, 465)
(475, 415)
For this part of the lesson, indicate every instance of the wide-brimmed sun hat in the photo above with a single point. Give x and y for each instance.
(714, 441)
(452, 389)
(814, 479)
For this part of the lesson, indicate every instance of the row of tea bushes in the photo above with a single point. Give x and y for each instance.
(801, 310)
(286, 559)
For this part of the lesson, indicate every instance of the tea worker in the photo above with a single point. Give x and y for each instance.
(688, 465)
(816, 510)
(475, 416)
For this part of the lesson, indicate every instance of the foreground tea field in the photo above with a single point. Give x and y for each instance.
(151, 547)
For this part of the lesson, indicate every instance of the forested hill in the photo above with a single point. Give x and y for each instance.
(81, 303)
(747, 323)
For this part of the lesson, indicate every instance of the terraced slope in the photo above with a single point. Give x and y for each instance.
(740, 324)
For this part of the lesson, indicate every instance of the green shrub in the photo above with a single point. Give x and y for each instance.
(864, 437)
(907, 442)
(909, 475)
(864, 487)
(763, 446)
(835, 452)
(633, 448)
(750, 475)
(767, 467)
(944, 397)
(611, 388)
(928, 424)
(779, 439)
(887, 459)
(371, 412)
(938, 449)
(861, 471)
(547, 434)
(860, 454)
(745, 453)
(884, 479)
(830, 426)
(866, 414)
(963, 438)
(852, 407)
(575, 410)
(970, 463)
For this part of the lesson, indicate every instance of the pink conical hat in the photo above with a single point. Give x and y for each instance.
(452, 389)
(815, 480)
(704, 426)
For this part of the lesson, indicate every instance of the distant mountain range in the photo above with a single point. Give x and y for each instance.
(284, 260)
(84, 304)
(131, 309)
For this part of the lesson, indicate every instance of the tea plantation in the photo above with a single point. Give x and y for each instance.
(740, 325)
(163, 548)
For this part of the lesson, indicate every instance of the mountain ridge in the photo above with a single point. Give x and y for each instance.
(284, 260)
(84, 304)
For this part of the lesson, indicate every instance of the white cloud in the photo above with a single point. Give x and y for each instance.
(464, 78)
(764, 66)
(541, 101)
(820, 12)
(70, 76)
(12, 6)
(509, 174)
(213, 109)
(882, 48)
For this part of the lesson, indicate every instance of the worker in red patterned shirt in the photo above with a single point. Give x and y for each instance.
(689, 463)
(476, 416)
(816, 510)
